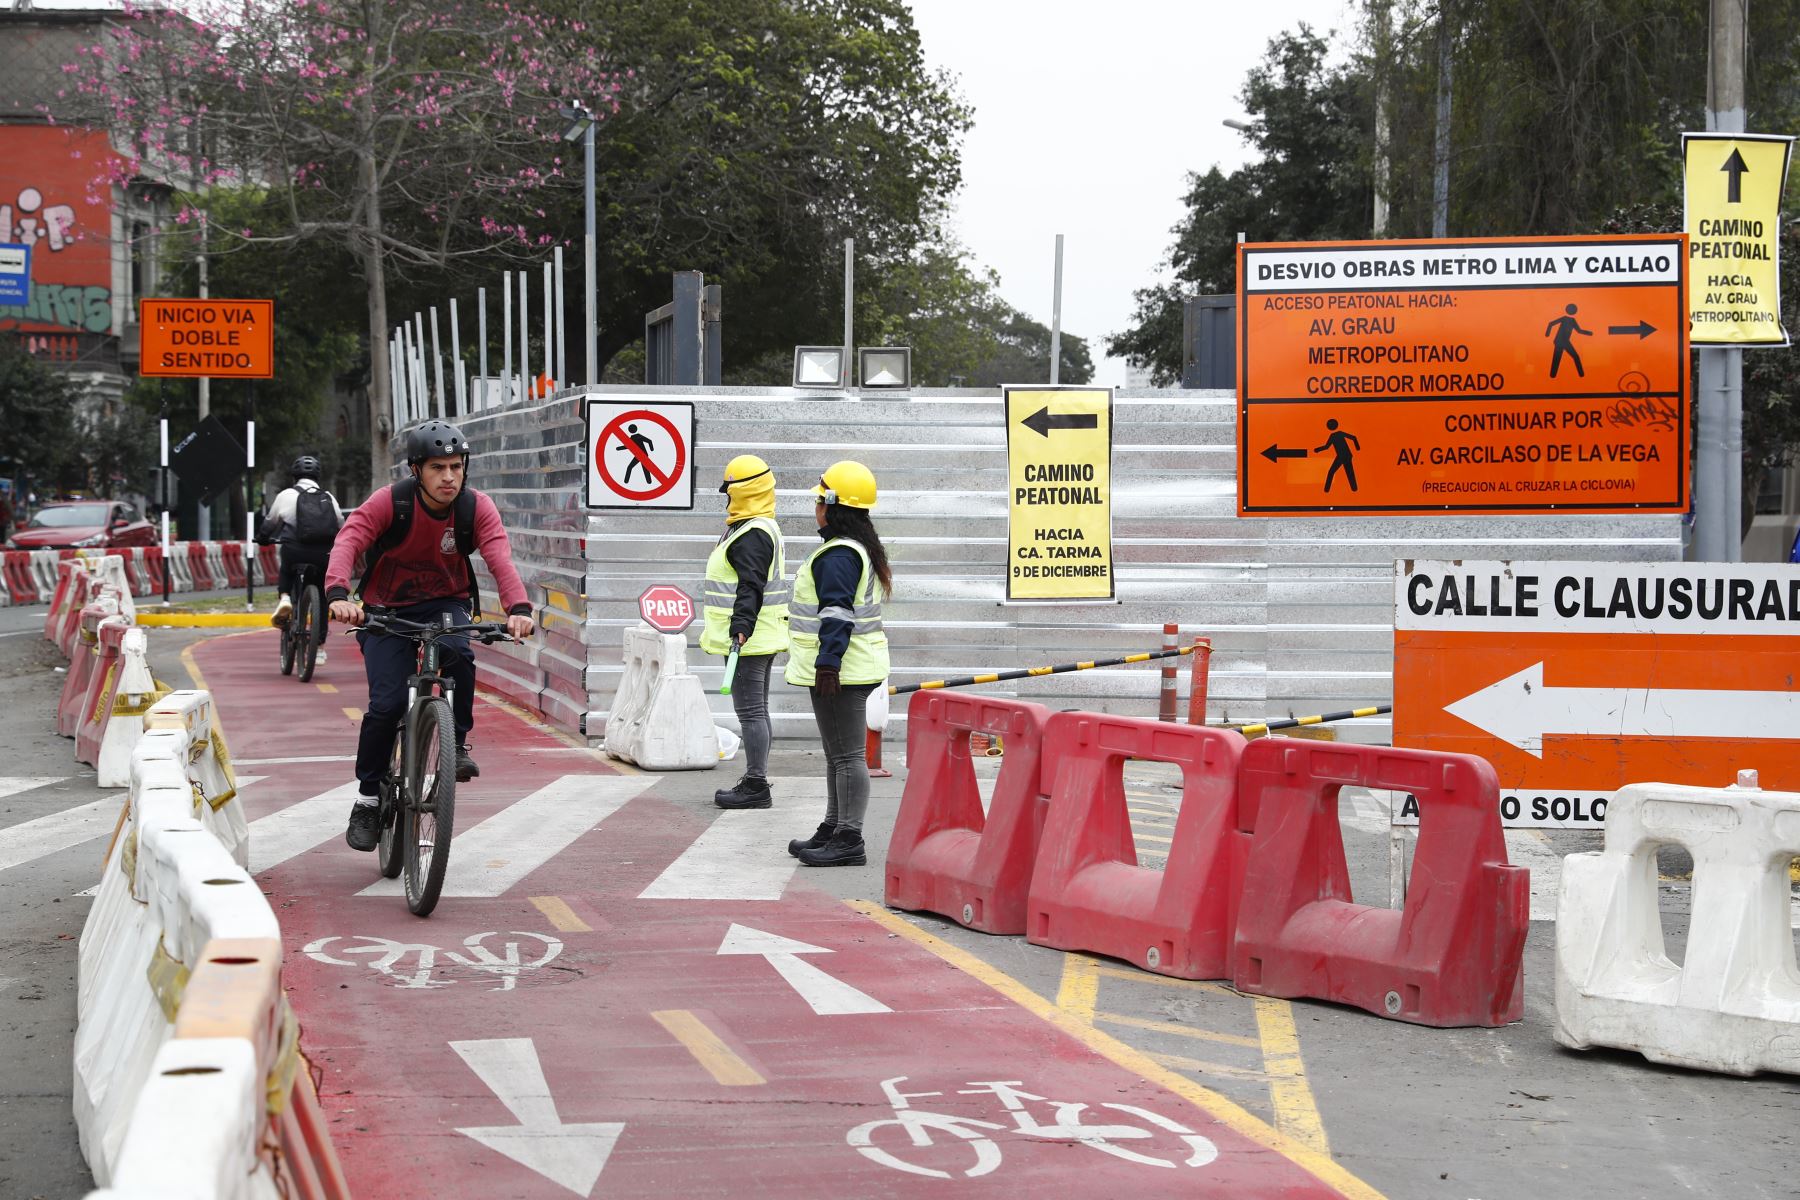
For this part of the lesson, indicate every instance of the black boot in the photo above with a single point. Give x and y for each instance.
(820, 836)
(843, 849)
(745, 793)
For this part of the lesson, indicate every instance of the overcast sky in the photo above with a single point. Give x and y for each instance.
(1088, 118)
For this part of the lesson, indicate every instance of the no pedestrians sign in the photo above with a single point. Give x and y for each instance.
(640, 455)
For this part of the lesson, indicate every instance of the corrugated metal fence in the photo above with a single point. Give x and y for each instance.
(1299, 610)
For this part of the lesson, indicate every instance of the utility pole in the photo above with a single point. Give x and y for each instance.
(1719, 454)
(1378, 225)
(849, 307)
(1440, 183)
(1056, 319)
(205, 514)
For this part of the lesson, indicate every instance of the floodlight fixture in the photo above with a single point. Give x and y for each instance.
(818, 366)
(885, 367)
(579, 118)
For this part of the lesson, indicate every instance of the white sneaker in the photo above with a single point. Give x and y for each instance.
(284, 612)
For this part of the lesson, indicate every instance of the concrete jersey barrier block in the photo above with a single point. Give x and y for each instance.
(1733, 1004)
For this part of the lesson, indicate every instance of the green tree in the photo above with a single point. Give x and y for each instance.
(1311, 122)
(39, 442)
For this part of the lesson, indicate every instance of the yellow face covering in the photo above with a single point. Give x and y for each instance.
(751, 498)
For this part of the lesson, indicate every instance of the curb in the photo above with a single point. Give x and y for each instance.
(205, 620)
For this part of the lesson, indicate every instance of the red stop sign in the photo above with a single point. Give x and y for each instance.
(666, 608)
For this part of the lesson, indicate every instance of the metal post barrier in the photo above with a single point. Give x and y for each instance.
(1198, 677)
(1165, 706)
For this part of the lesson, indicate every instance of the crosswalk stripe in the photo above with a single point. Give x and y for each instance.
(496, 854)
(299, 827)
(31, 840)
(12, 785)
(743, 854)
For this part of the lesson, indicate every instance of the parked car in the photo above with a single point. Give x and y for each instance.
(83, 523)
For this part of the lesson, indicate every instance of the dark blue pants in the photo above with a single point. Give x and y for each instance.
(389, 661)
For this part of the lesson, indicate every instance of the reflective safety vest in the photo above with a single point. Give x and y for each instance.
(719, 593)
(866, 659)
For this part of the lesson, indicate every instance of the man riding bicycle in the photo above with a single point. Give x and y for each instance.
(418, 534)
(303, 519)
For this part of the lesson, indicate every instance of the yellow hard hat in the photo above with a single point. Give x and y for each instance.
(848, 483)
(740, 469)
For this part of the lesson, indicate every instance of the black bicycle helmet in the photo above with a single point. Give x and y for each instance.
(305, 467)
(435, 439)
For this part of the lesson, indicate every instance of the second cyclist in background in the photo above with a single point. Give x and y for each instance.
(303, 520)
(418, 535)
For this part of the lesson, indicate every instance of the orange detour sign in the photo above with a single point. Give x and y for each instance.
(1575, 679)
(1457, 376)
(217, 339)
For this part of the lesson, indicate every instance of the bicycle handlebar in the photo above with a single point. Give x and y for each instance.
(485, 632)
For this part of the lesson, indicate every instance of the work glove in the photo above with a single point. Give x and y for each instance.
(826, 681)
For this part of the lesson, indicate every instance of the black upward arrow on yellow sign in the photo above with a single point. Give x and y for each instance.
(1735, 166)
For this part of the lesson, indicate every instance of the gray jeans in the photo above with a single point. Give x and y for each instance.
(750, 700)
(843, 726)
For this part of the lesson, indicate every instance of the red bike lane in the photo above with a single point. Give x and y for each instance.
(548, 1031)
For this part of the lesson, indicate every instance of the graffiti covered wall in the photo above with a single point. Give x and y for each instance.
(48, 201)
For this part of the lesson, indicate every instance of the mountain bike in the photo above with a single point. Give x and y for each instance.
(305, 630)
(418, 793)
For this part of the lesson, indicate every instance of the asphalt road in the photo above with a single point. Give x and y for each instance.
(1472, 1114)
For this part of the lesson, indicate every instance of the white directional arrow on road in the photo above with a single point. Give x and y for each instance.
(1520, 710)
(828, 997)
(570, 1155)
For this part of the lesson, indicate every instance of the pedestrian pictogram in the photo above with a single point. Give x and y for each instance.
(1575, 679)
(1733, 190)
(1498, 375)
(640, 455)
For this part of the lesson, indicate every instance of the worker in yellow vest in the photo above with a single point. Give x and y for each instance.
(838, 650)
(745, 603)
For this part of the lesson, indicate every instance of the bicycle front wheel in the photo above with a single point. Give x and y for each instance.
(309, 629)
(431, 798)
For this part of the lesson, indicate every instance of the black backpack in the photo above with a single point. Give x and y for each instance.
(405, 494)
(315, 518)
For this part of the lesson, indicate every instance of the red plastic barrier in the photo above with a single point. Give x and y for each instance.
(1087, 891)
(232, 554)
(945, 856)
(153, 570)
(270, 558)
(59, 600)
(21, 584)
(68, 626)
(1452, 956)
(199, 568)
(83, 662)
(102, 688)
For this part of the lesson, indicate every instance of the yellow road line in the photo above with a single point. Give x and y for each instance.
(1179, 1030)
(1151, 837)
(327, 688)
(1192, 985)
(560, 915)
(1183, 1063)
(718, 1058)
(355, 714)
(1152, 813)
(1079, 991)
(1221, 1109)
(193, 668)
(1296, 1114)
(560, 734)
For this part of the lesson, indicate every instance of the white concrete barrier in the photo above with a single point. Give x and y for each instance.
(181, 728)
(659, 719)
(1733, 1004)
(108, 570)
(132, 698)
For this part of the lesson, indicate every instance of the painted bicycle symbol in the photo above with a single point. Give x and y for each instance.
(421, 965)
(912, 1129)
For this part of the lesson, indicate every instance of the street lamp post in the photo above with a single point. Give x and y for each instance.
(582, 126)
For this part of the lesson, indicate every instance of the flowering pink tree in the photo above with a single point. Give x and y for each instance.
(412, 132)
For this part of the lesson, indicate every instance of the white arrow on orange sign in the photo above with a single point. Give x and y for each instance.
(1521, 711)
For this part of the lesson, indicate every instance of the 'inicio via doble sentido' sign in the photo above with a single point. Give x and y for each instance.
(213, 339)
(1503, 375)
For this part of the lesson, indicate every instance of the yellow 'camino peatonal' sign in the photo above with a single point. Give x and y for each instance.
(1733, 185)
(1059, 493)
